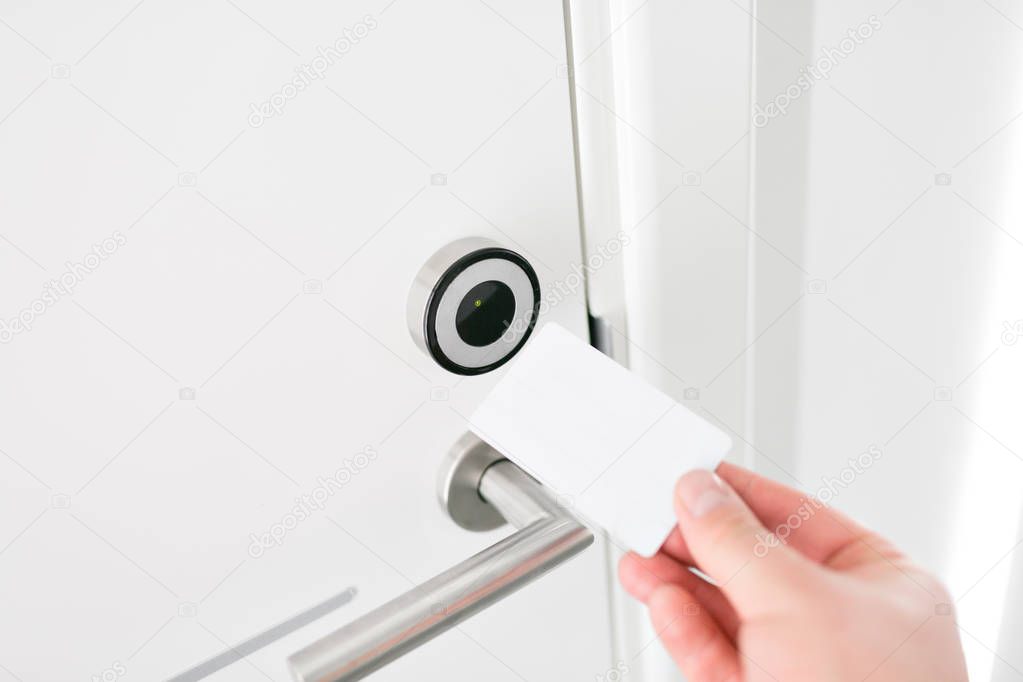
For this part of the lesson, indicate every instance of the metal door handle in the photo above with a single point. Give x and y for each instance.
(480, 490)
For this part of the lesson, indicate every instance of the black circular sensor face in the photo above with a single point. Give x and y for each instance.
(485, 313)
(488, 320)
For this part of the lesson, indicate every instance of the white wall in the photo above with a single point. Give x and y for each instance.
(663, 92)
(919, 276)
(916, 277)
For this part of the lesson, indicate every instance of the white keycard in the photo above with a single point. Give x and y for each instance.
(609, 444)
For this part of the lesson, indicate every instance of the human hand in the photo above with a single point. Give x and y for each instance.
(833, 602)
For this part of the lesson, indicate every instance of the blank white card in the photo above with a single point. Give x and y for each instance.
(609, 444)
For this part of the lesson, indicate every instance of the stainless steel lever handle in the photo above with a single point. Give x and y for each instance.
(480, 490)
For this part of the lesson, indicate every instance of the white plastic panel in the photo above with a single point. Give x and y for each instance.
(245, 338)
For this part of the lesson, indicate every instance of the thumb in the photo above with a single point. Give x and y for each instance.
(730, 544)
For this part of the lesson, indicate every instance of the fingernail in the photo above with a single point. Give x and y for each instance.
(701, 492)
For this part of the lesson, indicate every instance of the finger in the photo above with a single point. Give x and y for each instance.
(817, 531)
(675, 546)
(692, 638)
(730, 545)
(641, 576)
(824, 533)
(800, 520)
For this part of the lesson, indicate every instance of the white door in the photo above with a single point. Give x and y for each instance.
(210, 216)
